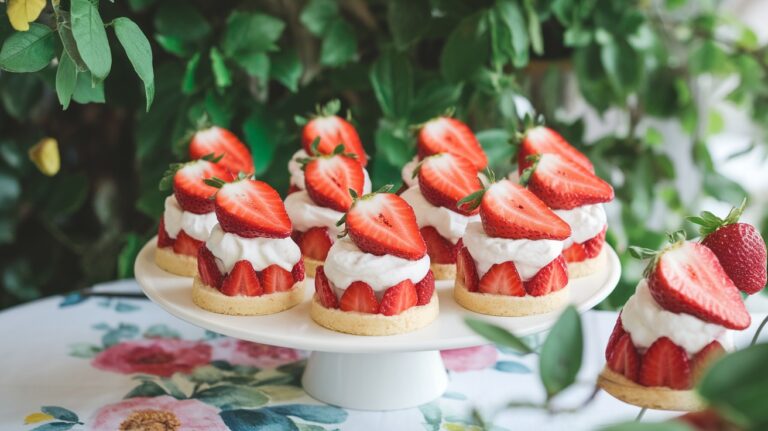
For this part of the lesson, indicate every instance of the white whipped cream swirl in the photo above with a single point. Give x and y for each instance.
(585, 221)
(450, 224)
(175, 219)
(306, 214)
(229, 249)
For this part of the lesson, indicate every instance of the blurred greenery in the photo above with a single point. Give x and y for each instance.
(120, 85)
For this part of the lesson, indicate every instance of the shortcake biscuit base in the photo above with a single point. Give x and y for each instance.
(311, 265)
(658, 398)
(209, 298)
(588, 266)
(443, 271)
(175, 263)
(509, 306)
(352, 322)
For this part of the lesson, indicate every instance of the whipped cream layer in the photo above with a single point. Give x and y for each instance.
(646, 321)
(306, 214)
(529, 256)
(585, 221)
(450, 224)
(229, 249)
(346, 263)
(198, 226)
(297, 173)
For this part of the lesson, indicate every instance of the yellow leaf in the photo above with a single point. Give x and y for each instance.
(37, 417)
(22, 12)
(45, 155)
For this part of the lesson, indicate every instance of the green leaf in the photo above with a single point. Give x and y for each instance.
(512, 16)
(189, 80)
(175, 46)
(258, 129)
(91, 38)
(255, 64)
(495, 143)
(534, 27)
(181, 20)
(393, 146)
(561, 354)
(60, 413)
(432, 99)
(247, 33)
(339, 44)
(622, 64)
(408, 21)
(466, 49)
(498, 335)
(128, 255)
(709, 58)
(139, 53)
(66, 79)
(228, 397)
(28, 51)
(86, 91)
(318, 15)
(221, 72)
(286, 68)
(20, 93)
(392, 80)
(147, 388)
(64, 27)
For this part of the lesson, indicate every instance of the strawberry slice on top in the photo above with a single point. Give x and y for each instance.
(562, 184)
(543, 140)
(189, 186)
(449, 135)
(445, 178)
(329, 179)
(252, 208)
(332, 131)
(383, 223)
(218, 141)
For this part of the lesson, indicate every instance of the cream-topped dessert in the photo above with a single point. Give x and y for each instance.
(296, 173)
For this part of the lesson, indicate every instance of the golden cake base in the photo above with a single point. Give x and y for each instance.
(175, 263)
(658, 398)
(209, 298)
(510, 306)
(588, 266)
(311, 265)
(443, 271)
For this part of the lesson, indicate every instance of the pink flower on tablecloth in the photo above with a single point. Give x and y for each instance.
(470, 358)
(162, 413)
(159, 356)
(239, 352)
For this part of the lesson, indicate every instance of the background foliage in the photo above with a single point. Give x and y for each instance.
(130, 102)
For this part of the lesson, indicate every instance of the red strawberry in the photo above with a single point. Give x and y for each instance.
(502, 279)
(551, 278)
(445, 179)
(163, 239)
(275, 279)
(315, 243)
(618, 331)
(466, 270)
(242, 280)
(298, 271)
(185, 244)
(384, 223)
(565, 185)
(510, 211)
(707, 420)
(207, 270)
(439, 249)
(329, 179)
(448, 135)
(665, 364)
(425, 288)
(704, 358)
(586, 250)
(575, 253)
(359, 297)
(624, 359)
(332, 131)
(293, 189)
(190, 190)
(398, 298)
(222, 142)
(543, 140)
(325, 294)
(687, 278)
(252, 208)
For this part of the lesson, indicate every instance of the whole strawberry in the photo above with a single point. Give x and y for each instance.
(738, 246)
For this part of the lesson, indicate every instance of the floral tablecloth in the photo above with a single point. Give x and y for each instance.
(110, 363)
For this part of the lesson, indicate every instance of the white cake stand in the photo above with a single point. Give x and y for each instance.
(358, 372)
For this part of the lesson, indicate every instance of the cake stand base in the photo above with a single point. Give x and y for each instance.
(388, 381)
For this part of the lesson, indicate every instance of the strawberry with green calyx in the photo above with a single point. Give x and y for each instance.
(329, 177)
(539, 139)
(188, 181)
(738, 246)
(222, 143)
(449, 135)
(331, 130)
(562, 184)
(445, 178)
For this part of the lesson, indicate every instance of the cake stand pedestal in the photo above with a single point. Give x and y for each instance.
(358, 372)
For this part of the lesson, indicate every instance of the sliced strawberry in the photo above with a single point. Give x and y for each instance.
(618, 331)
(384, 223)
(575, 253)
(565, 185)
(398, 298)
(704, 358)
(190, 190)
(687, 278)
(298, 271)
(235, 156)
(466, 270)
(445, 179)
(439, 249)
(207, 269)
(315, 243)
(325, 294)
(448, 135)
(275, 279)
(549, 279)
(510, 211)
(329, 180)
(332, 131)
(251, 208)
(624, 359)
(587, 250)
(359, 297)
(242, 280)
(293, 189)
(425, 288)
(185, 244)
(163, 239)
(665, 364)
(502, 279)
(543, 140)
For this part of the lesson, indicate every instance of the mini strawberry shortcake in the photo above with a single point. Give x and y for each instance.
(576, 195)
(315, 211)
(249, 265)
(223, 144)
(443, 180)
(511, 263)
(376, 280)
(188, 217)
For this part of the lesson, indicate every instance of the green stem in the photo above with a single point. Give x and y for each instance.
(759, 330)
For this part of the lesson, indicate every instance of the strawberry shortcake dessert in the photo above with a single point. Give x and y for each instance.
(510, 263)
(376, 280)
(221, 143)
(443, 180)
(249, 265)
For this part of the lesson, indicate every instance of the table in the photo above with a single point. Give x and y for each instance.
(73, 362)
